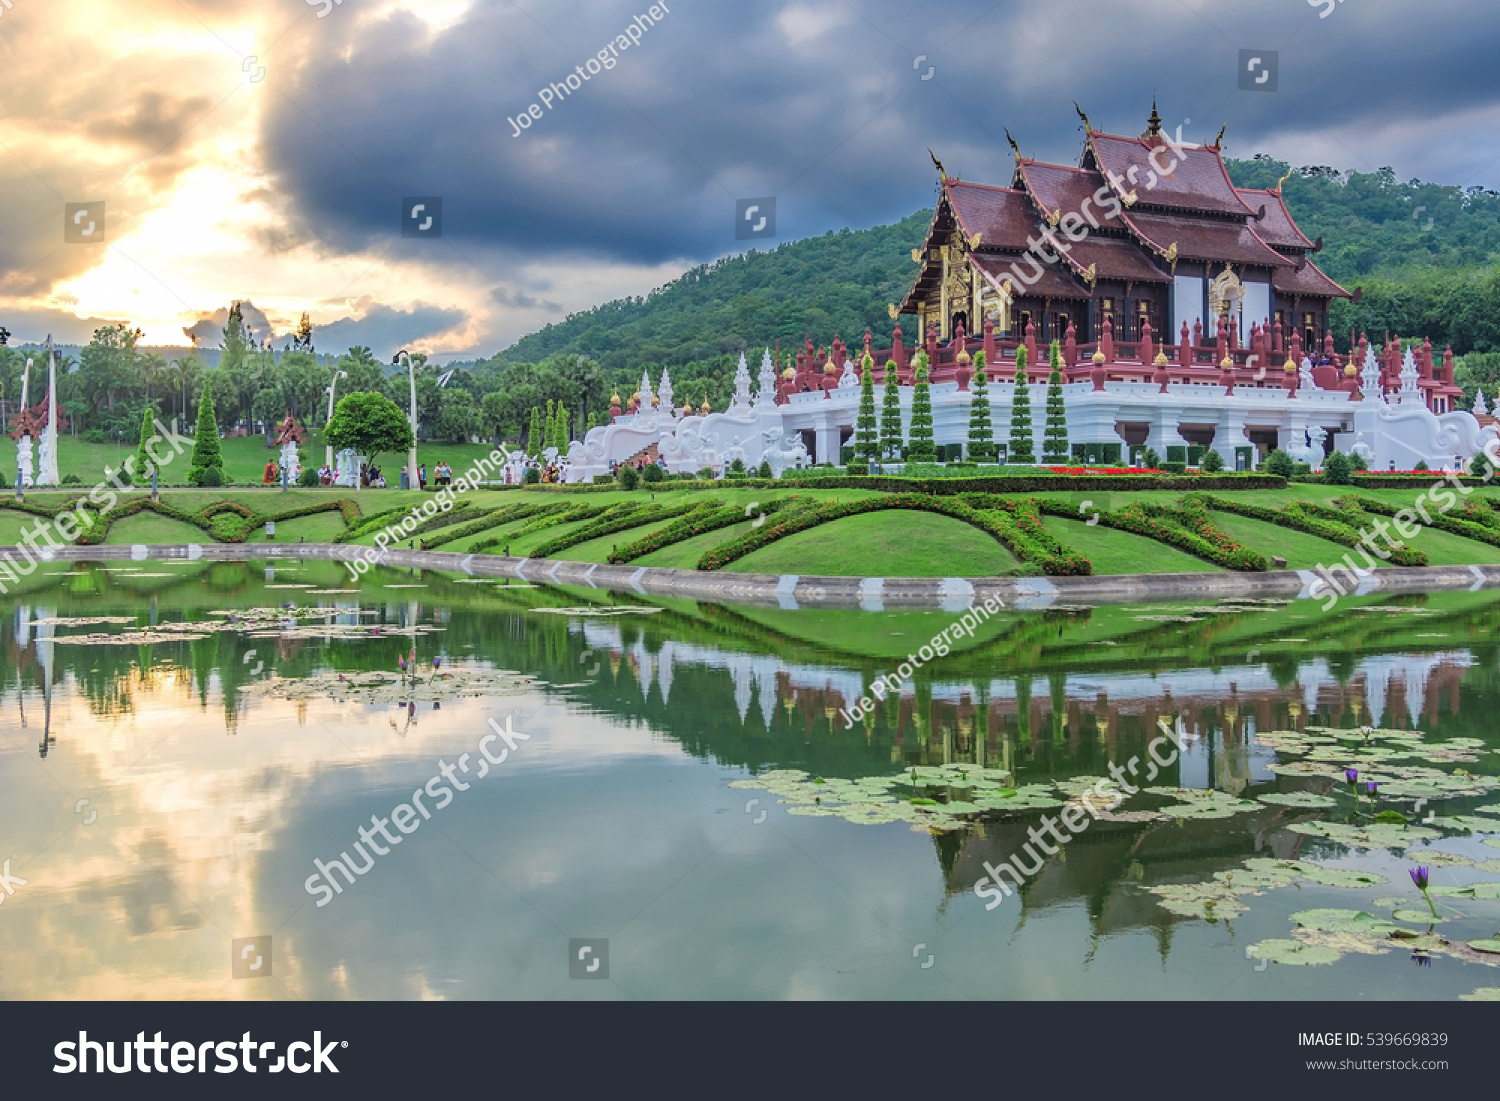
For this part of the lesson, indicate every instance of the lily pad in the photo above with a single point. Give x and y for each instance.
(1297, 799)
(1491, 946)
(1483, 994)
(1294, 953)
(1375, 835)
(1486, 889)
(1417, 917)
(1468, 823)
(1344, 921)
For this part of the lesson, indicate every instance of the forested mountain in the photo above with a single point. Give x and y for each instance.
(1424, 255)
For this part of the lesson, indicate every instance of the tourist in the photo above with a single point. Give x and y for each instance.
(270, 477)
(422, 476)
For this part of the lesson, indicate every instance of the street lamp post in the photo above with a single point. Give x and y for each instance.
(337, 374)
(411, 455)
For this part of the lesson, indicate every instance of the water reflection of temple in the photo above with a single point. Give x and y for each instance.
(1406, 690)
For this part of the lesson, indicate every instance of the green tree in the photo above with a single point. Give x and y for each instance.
(534, 441)
(866, 439)
(1279, 463)
(981, 432)
(206, 454)
(560, 436)
(593, 422)
(892, 438)
(922, 449)
(1020, 449)
(1213, 462)
(1338, 470)
(369, 424)
(1055, 437)
(144, 464)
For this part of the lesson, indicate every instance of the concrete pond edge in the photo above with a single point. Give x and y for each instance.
(791, 591)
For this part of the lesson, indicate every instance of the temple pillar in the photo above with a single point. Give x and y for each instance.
(826, 434)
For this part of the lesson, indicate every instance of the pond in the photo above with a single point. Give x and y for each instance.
(252, 780)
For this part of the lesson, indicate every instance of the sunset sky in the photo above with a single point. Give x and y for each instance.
(257, 151)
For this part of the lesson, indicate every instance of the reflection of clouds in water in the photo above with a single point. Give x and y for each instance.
(216, 813)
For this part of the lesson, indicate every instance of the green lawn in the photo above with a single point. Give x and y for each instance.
(685, 555)
(1301, 551)
(1114, 551)
(597, 550)
(149, 527)
(321, 527)
(895, 543)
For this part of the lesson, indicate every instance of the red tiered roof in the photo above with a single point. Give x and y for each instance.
(1199, 182)
(1276, 228)
(1001, 216)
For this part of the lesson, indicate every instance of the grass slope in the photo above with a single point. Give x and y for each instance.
(898, 543)
(1121, 551)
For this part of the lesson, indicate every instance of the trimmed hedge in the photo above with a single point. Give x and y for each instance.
(701, 520)
(618, 518)
(1337, 526)
(1016, 525)
(1186, 526)
(1475, 521)
(505, 514)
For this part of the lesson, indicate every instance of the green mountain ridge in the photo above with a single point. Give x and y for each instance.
(1423, 254)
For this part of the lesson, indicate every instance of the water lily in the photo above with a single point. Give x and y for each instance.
(1352, 775)
(1419, 876)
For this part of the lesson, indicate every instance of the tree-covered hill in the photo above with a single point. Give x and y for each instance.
(1424, 255)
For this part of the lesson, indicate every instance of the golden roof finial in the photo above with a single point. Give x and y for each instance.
(1153, 124)
(1219, 141)
(1016, 149)
(1283, 180)
(942, 173)
(1088, 126)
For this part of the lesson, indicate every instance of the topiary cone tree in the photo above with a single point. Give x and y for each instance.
(144, 464)
(892, 439)
(922, 449)
(866, 440)
(534, 442)
(560, 433)
(1020, 450)
(981, 433)
(206, 454)
(1055, 437)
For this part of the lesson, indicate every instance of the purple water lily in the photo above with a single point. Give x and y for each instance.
(1419, 876)
(1352, 775)
(1370, 788)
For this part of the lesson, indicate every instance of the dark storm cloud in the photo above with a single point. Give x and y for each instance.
(821, 105)
(384, 330)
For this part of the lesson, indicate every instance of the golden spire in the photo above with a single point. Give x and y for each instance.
(1283, 180)
(1087, 126)
(1219, 141)
(1153, 124)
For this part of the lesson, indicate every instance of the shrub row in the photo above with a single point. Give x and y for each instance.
(1335, 526)
(1476, 521)
(1014, 524)
(1186, 526)
(505, 514)
(705, 518)
(618, 518)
